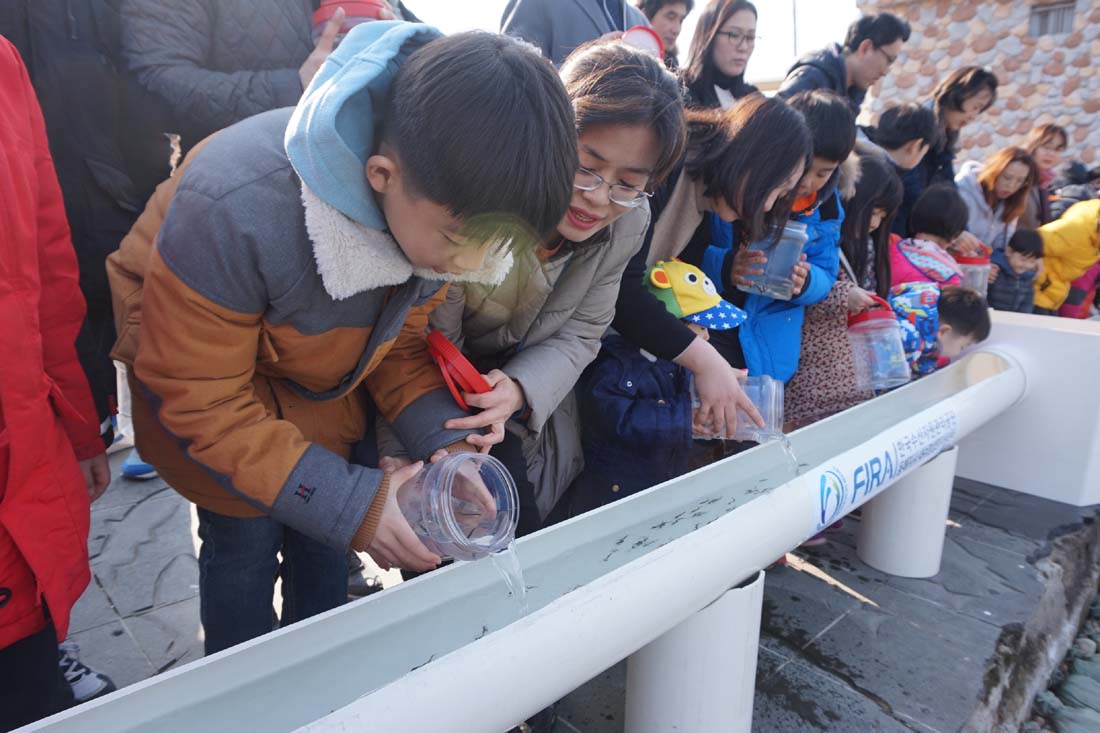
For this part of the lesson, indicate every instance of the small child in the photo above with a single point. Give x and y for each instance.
(937, 325)
(636, 409)
(1018, 265)
(938, 218)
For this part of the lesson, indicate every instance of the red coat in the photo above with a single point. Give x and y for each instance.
(47, 419)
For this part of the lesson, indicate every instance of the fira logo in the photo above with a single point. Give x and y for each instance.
(873, 474)
(833, 493)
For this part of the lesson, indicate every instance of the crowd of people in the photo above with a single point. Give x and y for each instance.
(257, 213)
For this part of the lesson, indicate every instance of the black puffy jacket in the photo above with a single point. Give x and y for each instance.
(822, 69)
(106, 136)
(217, 62)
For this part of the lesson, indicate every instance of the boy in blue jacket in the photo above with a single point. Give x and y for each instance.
(938, 324)
(635, 408)
(772, 338)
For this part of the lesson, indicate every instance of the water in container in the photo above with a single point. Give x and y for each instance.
(767, 394)
(463, 506)
(356, 12)
(975, 272)
(783, 254)
(877, 348)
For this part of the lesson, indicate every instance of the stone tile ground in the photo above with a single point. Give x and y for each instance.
(140, 614)
(843, 647)
(847, 648)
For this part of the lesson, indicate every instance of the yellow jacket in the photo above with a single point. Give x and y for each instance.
(1071, 245)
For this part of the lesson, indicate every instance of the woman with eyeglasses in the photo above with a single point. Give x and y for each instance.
(1047, 144)
(724, 40)
(534, 333)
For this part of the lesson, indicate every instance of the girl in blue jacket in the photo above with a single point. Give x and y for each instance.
(770, 341)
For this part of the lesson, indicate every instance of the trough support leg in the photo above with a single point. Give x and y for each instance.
(701, 675)
(902, 530)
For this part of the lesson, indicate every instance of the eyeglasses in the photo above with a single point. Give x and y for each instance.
(1013, 182)
(736, 38)
(625, 196)
(889, 59)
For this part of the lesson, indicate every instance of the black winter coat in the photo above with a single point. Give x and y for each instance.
(217, 62)
(106, 136)
(823, 69)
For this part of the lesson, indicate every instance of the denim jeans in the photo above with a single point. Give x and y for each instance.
(238, 564)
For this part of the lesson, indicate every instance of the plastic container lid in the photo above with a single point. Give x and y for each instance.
(880, 312)
(645, 39)
(982, 259)
(352, 9)
(459, 374)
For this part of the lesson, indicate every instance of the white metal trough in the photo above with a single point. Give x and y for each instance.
(671, 575)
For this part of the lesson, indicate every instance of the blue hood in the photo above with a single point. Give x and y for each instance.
(332, 131)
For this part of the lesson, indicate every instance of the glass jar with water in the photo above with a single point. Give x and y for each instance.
(975, 271)
(766, 393)
(877, 348)
(463, 506)
(783, 254)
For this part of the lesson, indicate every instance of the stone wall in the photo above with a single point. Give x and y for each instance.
(1045, 79)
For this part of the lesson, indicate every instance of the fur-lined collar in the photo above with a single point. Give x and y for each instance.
(352, 258)
(849, 176)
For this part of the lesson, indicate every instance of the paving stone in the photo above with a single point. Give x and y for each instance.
(921, 660)
(91, 610)
(966, 495)
(796, 697)
(599, 706)
(1020, 515)
(145, 556)
(978, 579)
(126, 492)
(798, 607)
(111, 650)
(170, 636)
(964, 525)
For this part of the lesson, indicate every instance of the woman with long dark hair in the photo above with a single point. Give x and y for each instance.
(724, 40)
(963, 96)
(742, 164)
(869, 214)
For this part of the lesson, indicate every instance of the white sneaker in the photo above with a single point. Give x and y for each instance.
(86, 683)
(121, 440)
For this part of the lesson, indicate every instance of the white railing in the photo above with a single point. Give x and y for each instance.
(672, 571)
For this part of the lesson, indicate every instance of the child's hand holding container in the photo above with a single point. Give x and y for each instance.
(772, 267)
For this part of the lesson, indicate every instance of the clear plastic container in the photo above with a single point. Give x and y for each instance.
(877, 349)
(975, 271)
(783, 254)
(764, 392)
(463, 506)
(356, 12)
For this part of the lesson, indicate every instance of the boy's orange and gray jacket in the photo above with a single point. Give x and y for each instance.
(252, 311)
